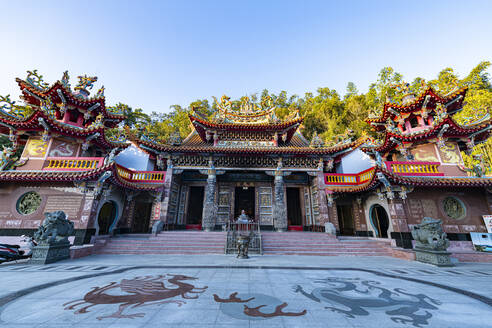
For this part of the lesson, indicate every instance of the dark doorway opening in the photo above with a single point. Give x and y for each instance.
(294, 214)
(244, 199)
(195, 207)
(380, 221)
(345, 220)
(141, 218)
(106, 217)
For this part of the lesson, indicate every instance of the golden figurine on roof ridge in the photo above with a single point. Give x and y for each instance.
(247, 111)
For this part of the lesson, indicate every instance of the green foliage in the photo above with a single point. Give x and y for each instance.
(478, 103)
(135, 118)
(6, 143)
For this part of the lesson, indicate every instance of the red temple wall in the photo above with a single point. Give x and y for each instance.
(66, 198)
(429, 202)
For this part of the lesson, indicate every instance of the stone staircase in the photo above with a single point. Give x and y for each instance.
(274, 243)
(167, 242)
(321, 244)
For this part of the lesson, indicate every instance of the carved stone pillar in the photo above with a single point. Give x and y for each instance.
(333, 214)
(166, 192)
(210, 207)
(398, 216)
(322, 201)
(280, 207)
(155, 214)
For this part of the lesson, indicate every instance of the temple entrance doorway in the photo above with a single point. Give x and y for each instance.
(195, 208)
(141, 218)
(244, 199)
(294, 214)
(107, 216)
(379, 221)
(345, 220)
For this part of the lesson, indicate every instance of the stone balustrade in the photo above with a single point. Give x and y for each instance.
(141, 176)
(414, 168)
(73, 163)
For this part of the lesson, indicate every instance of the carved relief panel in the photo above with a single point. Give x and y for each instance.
(314, 204)
(265, 205)
(224, 212)
(183, 199)
(307, 206)
(173, 202)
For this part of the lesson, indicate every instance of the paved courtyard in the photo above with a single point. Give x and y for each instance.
(264, 291)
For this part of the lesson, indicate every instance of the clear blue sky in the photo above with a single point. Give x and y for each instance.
(153, 54)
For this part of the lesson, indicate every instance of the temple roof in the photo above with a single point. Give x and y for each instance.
(194, 144)
(433, 117)
(78, 176)
(54, 176)
(60, 95)
(428, 99)
(246, 118)
(35, 121)
(445, 129)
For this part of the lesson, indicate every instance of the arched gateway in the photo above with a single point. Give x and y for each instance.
(379, 221)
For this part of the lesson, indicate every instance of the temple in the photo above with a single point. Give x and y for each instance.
(67, 154)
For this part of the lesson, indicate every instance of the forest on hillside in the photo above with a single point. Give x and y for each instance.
(326, 112)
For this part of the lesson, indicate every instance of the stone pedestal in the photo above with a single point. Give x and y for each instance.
(279, 208)
(438, 258)
(209, 207)
(242, 247)
(45, 254)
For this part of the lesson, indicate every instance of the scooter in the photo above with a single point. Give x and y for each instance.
(14, 252)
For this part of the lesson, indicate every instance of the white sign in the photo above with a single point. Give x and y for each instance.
(488, 222)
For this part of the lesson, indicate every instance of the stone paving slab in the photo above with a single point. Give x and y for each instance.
(264, 291)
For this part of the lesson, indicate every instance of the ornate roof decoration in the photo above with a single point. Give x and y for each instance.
(33, 123)
(36, 91)
(8, 108)
(247, 113)
(316, 141)
(472, 121)
(235, 125)
(428, 116)
(36, 80)
(343, 138)
(425, 102)
(175, 139)
(85, 82)
(65, 80)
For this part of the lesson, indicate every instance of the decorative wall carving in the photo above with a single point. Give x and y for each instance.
(246, 161)
(190, 161)
(300, 162)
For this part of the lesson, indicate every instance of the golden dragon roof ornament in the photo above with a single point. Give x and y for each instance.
(248, 112)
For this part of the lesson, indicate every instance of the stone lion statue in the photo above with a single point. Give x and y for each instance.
(429, 235)
(55, 229)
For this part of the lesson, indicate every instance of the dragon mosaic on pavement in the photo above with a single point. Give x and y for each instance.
(138, 292)
(356, 296)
